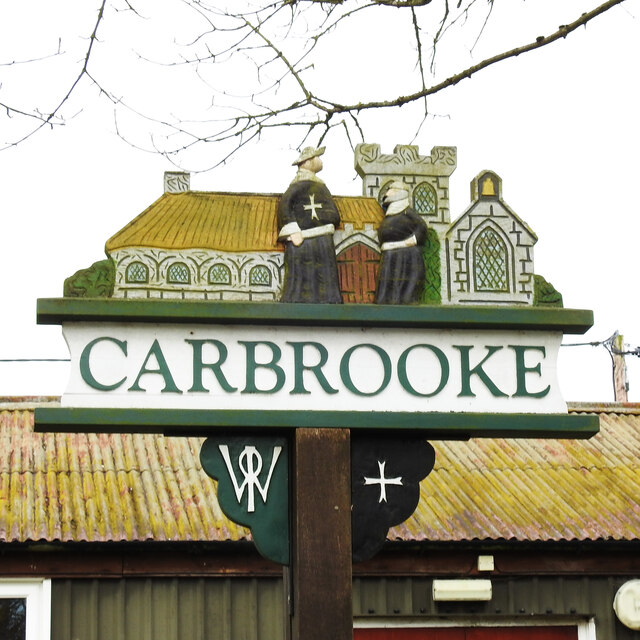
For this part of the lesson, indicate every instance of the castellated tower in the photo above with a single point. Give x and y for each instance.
(427, 180)
(427, 177)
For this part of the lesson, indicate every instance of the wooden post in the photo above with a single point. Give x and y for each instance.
(620, 384)
(321, 536)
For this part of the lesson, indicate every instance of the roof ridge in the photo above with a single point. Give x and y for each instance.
(14, 403)
(632, 408)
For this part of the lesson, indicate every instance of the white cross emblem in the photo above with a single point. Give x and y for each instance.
(312, 206)
(382, 481)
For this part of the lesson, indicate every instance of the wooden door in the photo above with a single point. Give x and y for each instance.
(471, 633)
(358, 272)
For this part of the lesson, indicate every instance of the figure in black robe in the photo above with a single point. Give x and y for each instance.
(307, 218)
(402, 235)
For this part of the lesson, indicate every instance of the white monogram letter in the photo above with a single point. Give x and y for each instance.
(250, 464)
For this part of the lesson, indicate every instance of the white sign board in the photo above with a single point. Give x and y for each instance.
(258, 367)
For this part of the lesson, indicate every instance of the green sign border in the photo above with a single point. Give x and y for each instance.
(435, 425)
(60, 310)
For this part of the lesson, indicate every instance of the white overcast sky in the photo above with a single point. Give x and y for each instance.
(559, 125)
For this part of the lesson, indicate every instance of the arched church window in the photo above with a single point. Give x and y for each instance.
(425, 200)
(178, 273)
(137, 273)
(260, 275)
(219, 274)
(490, 259)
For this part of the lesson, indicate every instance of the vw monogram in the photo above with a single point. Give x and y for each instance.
(250, 464)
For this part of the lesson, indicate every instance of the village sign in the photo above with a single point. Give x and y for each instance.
(240, 317)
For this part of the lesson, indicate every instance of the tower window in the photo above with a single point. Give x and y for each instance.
(490, 261)
(425, 200)
(383, 192)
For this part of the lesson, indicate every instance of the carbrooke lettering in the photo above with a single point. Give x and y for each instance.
(357, 370)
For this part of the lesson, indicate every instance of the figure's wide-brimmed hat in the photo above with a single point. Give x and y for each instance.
(307, 153)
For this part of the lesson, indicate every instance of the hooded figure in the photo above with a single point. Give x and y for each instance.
(307, 218)
(402, 235)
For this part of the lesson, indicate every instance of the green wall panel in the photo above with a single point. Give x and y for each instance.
(253, 609)
(167, 609)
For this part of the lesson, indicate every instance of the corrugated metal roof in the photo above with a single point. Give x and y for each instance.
(535, 490)
(78, 487)
(99, 487)
(223, 221)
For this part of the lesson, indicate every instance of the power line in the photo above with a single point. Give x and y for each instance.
(35, 359)
(608, 344)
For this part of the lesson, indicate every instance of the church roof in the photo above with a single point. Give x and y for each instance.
(224, 221)
(124, 487)
(471, 210)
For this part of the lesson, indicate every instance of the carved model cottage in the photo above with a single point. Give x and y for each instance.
(224, 246)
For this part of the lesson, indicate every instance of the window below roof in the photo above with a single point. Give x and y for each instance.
(25, 609)
(260, 275)
(219, 274)
(137, 273)
(178, 273)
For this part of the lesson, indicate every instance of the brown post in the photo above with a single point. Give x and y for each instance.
(321, 540)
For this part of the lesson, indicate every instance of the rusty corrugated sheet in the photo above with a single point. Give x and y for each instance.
(223, 221)
(77, 487)
(526, 489)
(104, 487)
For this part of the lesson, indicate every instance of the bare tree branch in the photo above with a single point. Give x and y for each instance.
(277, 44)
(51, 118)
(387, 3)
(541, 41)
(12, 63)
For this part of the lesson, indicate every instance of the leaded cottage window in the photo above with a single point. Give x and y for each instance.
(219, 274)
(425, 200)
(178, 273)
(260, 276)
(137, 272)
(490, 259)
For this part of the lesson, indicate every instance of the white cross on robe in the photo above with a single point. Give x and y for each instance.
(312, 206)
(382, 481)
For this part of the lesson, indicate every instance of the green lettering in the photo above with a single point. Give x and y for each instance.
(85, 365)
(162, 370)
(402, 370)
(522, 370)
(466, 372)
(345, 373)
(216, 367)
(316, 369)
(252, 365)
